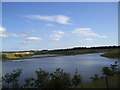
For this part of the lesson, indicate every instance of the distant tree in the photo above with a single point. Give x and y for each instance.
(19, 55)
(16, 55)
(4, 56)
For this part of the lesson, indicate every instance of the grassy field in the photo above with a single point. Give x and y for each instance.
(14, 56)
(112, 54)
(113, 82)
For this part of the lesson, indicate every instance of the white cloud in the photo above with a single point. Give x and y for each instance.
(30, 39)
(86, 32)
(15, 35)
(59, 32)
(61, 19)
(28, 32)
(101, 36)
(4, 34)
(33, 38)
(2, 29)
(57, 35)
(88, 39)
(26, 42)
(50, 25)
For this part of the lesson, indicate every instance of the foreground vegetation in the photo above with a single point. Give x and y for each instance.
(113, 82)
(56, 79)
(61, 79)
(110, 78)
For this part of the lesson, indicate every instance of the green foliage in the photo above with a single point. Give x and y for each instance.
(76, 80)
(60, 79)
(12, 78)
(4, 56)
(114, 68)
(101, 83)
(109, 71)
(16, 55)
(112, 74)
(20, 55)
(56, 79)
(106, 71)
(72, 51)
(95, 78)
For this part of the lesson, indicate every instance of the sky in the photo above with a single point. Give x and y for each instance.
(55, 25)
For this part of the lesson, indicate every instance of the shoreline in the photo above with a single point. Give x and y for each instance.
(113, 54)
(49, 56)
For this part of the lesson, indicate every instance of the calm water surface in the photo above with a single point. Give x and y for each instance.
(86, 64)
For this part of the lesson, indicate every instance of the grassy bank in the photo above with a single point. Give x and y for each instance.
(15, 56)
(109, 52)
(112, 54)
(12, 56)
(113, 82)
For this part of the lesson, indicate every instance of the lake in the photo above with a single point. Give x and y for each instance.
(86, 64)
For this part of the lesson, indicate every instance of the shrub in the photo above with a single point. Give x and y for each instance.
(12, 78)
(113, 69)
(56, 79)
(106, 71)
(4, 56)
(95, 78)
(19, 55)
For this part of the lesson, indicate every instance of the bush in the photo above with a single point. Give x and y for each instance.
(12, 79)
(112, 70)
(20, 55)
(56, 79)
(4, 56)
(106, 71)
(95, 78)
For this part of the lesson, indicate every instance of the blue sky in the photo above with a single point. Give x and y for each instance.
(50, 25)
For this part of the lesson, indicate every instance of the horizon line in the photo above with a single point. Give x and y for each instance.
(61, 48)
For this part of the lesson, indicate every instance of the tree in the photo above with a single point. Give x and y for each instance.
(56, 79)
(4, 56)
(114, 68)
(12, 79)
(95, 77)
(106, 71)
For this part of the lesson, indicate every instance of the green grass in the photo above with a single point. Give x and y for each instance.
(112, 54)
(12, 56)
(113, 82)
